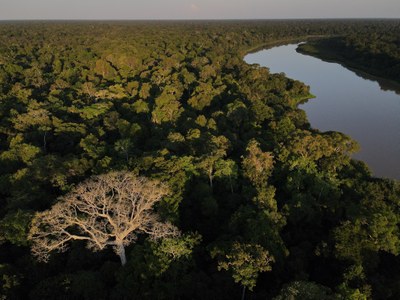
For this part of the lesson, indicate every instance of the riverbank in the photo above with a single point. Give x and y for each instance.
(345, 103)
(280, 42)
(327, 51)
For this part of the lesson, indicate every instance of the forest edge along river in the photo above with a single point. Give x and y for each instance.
(346, 101)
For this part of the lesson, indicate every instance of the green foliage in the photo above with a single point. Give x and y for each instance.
(372, 229)
(244, 261)
(352, 294)
(167, 109)
(10, 282)
(176, 102)
(14, 228)
(257, 165)
(170, 249)
(303, 290)
(377, 54)
(93, 111)
(92, 146)
(20, 151)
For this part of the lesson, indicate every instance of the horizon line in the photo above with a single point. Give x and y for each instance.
(204, 19)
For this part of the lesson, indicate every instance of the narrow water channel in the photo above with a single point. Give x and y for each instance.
(345, 102)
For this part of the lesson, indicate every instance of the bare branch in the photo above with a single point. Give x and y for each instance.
(106, 210)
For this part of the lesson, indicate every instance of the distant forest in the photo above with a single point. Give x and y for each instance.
(375, 53)
(155, 141)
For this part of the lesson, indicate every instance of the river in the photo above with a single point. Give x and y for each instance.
(345, 102)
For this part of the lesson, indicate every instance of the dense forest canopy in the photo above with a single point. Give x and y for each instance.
(267, 206)
(375, 53)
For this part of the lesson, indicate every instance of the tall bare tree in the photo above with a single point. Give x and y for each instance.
(105, 210)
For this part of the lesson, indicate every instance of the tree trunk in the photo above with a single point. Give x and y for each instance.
(230, 183)
(121, 253)
(244, 292)
(127, 157)
(210, 176)
(44, 142)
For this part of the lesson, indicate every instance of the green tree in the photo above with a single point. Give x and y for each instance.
(245, 262)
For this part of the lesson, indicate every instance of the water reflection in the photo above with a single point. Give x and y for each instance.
(352, 102)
